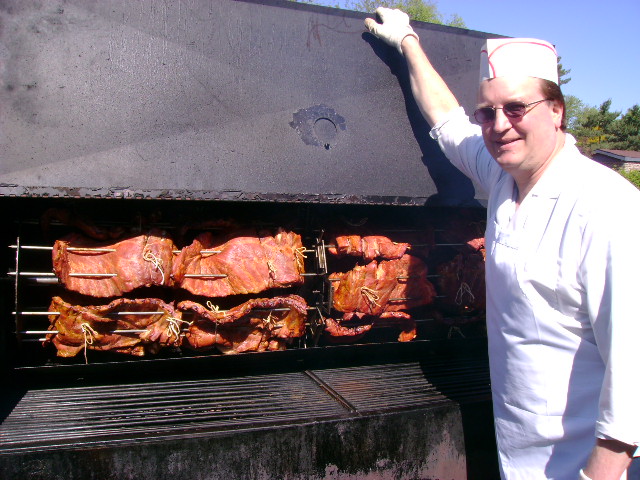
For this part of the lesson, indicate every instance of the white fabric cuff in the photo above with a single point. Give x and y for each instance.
(583, 476)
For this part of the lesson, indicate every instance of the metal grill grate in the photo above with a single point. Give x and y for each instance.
(71, 416)
(397, 386)
(81, 416)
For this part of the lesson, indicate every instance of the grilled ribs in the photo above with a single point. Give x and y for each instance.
(143, 260)
(375, 288)
(257, 325)
(368, 247)
(246, 264)
(352, 326)
(91, 327)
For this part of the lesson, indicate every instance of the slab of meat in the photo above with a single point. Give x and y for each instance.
(335, 328)
(257, 325)
(246, 264)
(348, 331)
(143, 260)
(91, 327)
(375, 288)
(461, 282)
(368, 247)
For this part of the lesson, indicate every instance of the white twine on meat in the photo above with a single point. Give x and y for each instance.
(149, 256)
(212, 307)
(464, 288)
(300, 256)
(173, 327)
(371, 296)
(215, 309)
(89, 335)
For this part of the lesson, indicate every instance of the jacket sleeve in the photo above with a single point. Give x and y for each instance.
(609, 273)
(462, 143)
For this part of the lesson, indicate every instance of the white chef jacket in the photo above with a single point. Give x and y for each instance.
(563, 303)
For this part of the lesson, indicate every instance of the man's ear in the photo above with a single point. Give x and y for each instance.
(557, 110)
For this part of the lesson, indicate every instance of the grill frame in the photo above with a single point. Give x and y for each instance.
(284, 170)
(440, 412)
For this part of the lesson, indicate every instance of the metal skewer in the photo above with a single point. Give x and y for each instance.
(421, 245)
(70, 249)
(34, 313)
(92, 249)
(55, 332)
(108, 313)
(205, 275)
(50, 274)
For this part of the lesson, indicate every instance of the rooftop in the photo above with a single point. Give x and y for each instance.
(624, 155)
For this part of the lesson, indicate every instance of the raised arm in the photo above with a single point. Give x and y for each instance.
(430, 91)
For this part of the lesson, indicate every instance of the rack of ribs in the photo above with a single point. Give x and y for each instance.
(109, 269)
(387, 286)
(256, 325)
(131, 326)
(380, 291)
(240, 265)
(369, 247)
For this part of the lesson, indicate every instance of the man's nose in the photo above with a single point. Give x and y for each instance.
(502, 122)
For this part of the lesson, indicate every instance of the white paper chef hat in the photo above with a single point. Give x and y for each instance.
(501, 57)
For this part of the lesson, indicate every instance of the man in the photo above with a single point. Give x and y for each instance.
(562, 315)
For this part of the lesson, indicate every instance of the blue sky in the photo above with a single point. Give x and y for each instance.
(598, 40)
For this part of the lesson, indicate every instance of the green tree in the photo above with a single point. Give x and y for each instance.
(625, 132)
(562, 73)
(594, 128)
(573, 107)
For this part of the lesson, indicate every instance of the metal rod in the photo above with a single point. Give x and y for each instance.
(108, 313)
(55, 332)
(104, 275)
(93, 249)
(34, 313)
(70, 249)
(201, 251)
(421, 245)
(50, 274)
(33, 274)
(205, 275)
(399, 277)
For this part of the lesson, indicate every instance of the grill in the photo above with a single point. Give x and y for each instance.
(267, 114)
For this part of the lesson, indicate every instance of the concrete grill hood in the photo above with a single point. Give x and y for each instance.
(220, 100)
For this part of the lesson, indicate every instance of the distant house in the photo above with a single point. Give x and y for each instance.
(625, 160)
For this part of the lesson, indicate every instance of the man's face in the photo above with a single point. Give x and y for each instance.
(523, 144)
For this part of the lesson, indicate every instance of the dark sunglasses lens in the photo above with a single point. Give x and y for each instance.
(515, 109)
(485, 115)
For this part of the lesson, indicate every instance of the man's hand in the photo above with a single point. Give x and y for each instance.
(608, 460)
(394, 27)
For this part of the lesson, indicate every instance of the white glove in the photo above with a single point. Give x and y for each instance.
(394, 27)
(583, 476)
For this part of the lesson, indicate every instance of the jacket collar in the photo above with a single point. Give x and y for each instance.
(554, 179)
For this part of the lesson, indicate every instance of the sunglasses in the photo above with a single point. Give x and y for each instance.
(511, 110)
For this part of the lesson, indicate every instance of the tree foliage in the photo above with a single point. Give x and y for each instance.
(562, 73)
(625, 132)
(600, 128)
